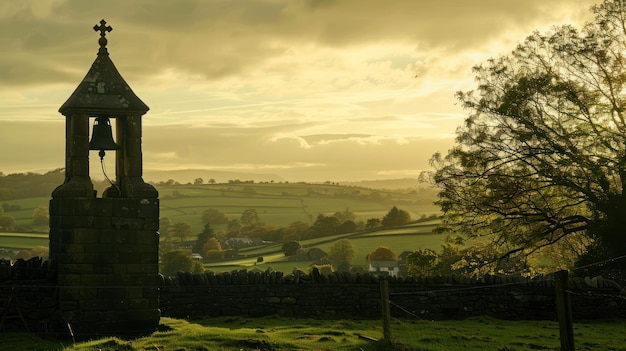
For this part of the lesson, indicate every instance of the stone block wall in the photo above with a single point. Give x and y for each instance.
(344, 295)
(28, 299)
(106, 255)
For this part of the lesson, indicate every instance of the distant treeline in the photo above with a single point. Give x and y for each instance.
(25, 185)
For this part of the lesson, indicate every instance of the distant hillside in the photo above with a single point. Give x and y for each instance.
(386, 184)
(185, 176)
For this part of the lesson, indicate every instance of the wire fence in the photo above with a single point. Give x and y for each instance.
(411, 327)
(423, 334)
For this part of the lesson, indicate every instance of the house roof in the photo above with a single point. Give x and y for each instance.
(384, 263)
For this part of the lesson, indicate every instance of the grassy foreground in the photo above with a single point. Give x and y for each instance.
(286, 334)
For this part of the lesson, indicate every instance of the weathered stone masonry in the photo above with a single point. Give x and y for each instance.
(106, 254)
(29, 287)
(344, 295)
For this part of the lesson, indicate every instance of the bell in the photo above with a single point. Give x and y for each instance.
(102, 136)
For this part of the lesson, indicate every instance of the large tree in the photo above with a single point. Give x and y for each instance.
(541, 158)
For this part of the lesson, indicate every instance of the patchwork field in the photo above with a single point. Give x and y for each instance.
(407, 238)
(278, 205)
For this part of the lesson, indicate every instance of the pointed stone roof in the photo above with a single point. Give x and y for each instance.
(103, 90)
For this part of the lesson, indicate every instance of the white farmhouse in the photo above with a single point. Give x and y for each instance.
(390, 267)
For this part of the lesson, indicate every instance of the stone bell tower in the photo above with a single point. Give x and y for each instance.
(105, 249)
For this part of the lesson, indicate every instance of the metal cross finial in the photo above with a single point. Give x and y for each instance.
(102, 28)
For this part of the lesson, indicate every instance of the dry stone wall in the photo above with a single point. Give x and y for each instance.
(345, 295)
(29, 301)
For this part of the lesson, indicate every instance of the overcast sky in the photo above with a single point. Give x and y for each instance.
(309, 90)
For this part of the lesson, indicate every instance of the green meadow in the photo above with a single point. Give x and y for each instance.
(406, 238)
(277, 204)
(19, 241)
(290, 334)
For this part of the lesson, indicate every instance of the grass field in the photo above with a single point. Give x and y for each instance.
(282, 204)
(278, 204)
(288, 334)
(18, 241)
(407, 238)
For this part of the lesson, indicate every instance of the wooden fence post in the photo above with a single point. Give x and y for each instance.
(564, 310)
(386, 312)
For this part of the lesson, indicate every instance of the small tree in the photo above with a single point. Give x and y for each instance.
(396, 217)
(249, 218)
(7, 223)
(212, 244)
(198, 181)
(205, 235)
(382, 253)
(41, 215)
(341, 254)
(234, 227)
(291, 247)
(174, 261)
(164, 226)
(325, 225)
(181, 230)
(421, 262)
(372, 223)
(345, 215)
(346, 227)
(213, 216)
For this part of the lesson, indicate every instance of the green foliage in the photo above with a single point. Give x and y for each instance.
(7, 223)
(249, 218)
(341, 254)
(344, 216)
(541, 156)
(180, 230)
(234, 228)
(211, 249)
(213, 254)
(396, 217)
(206, 234)
(213, 216)
(323, 226)
(290, 248)
(239, 333)
(373, 223)
(25, 185)
(421, 262)
(174, 261)
(41, 215)
(382, 253)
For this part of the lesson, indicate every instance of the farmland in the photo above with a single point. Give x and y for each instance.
(278, 205)
(285, 203)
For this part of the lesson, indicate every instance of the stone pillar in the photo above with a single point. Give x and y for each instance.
(106, 250)
(129, 159)
(106, 254)
(77, 180)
